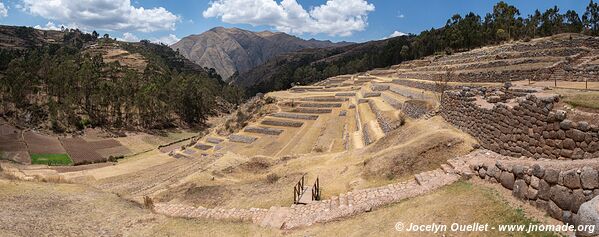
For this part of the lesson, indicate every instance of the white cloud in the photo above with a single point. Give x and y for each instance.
(49, 26)
(335, 17)
(129, 37)
(103, 14)
(401, 16)
(3, 10)
(168, 39)
(397, 33)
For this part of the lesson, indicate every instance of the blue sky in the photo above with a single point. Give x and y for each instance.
(336, 20)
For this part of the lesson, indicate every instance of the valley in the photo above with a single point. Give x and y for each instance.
(485, 124)
(371, 140)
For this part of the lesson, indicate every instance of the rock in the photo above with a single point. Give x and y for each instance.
(482, 173)
(507, 180)
(532, 193)
(491, 171)
(566, 124)
(562, 196)
(570, 179)
(542, 204)
(520, 189)
(538, 170)
(584, 126)
(578, 198)
(554, 211)
(567, 217)
(588, 214)
(518, 171)
(576, 135)
(560, 115)
(568, 143)
(534, 182)
(566, 153)
(551, 176)
(589, 178)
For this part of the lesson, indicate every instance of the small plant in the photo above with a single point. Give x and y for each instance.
(318, 149)
(272, 178)
(148, 203)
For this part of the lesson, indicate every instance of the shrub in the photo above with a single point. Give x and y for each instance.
(272, 178)
(270, 100)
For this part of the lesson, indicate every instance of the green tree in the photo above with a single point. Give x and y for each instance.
(590, 18)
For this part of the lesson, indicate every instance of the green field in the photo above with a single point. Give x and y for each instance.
(51, 159)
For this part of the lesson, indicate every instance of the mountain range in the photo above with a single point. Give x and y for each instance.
(234, 51)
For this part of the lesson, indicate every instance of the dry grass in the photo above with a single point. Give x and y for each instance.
(589, 100)
(239, 181)
(416, 147)
(462, 203)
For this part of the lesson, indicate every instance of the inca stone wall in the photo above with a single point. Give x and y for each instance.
(560, 191)
(416, 108)
(386, 120)
(523, 126)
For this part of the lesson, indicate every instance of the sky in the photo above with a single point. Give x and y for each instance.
(167, 21)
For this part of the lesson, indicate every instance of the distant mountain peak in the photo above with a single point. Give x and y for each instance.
(230, 50)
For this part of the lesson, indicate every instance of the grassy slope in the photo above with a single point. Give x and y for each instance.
(587, 100)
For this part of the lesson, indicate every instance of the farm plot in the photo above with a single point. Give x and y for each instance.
(42, 144)
(81, 151)
(51, 159)
(13, 148)
(108, 147)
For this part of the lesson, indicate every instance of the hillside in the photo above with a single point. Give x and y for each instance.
(230, 50)
(68, 80)
(459, 34)
(311, 65)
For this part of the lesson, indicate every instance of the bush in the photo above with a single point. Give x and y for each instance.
(56, 127)
(270, 100)
(272, 178)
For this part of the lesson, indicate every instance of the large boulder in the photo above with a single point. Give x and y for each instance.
(589, 178)
(588, 214)
(507, 180)
(562, 196)
(551, 176)
(570, 179)
(544, 190)
(520, 189)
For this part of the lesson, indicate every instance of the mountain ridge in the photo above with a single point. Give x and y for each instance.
(233, 50)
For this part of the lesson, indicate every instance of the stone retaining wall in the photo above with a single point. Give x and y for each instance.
(282, 123)
(559, 192)
(386, 120)
(321, 105)
(416, 108)
(429, 86)
(312, 110)
(523, 126)
(295, 116)
(263, 130)
(241, 138)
